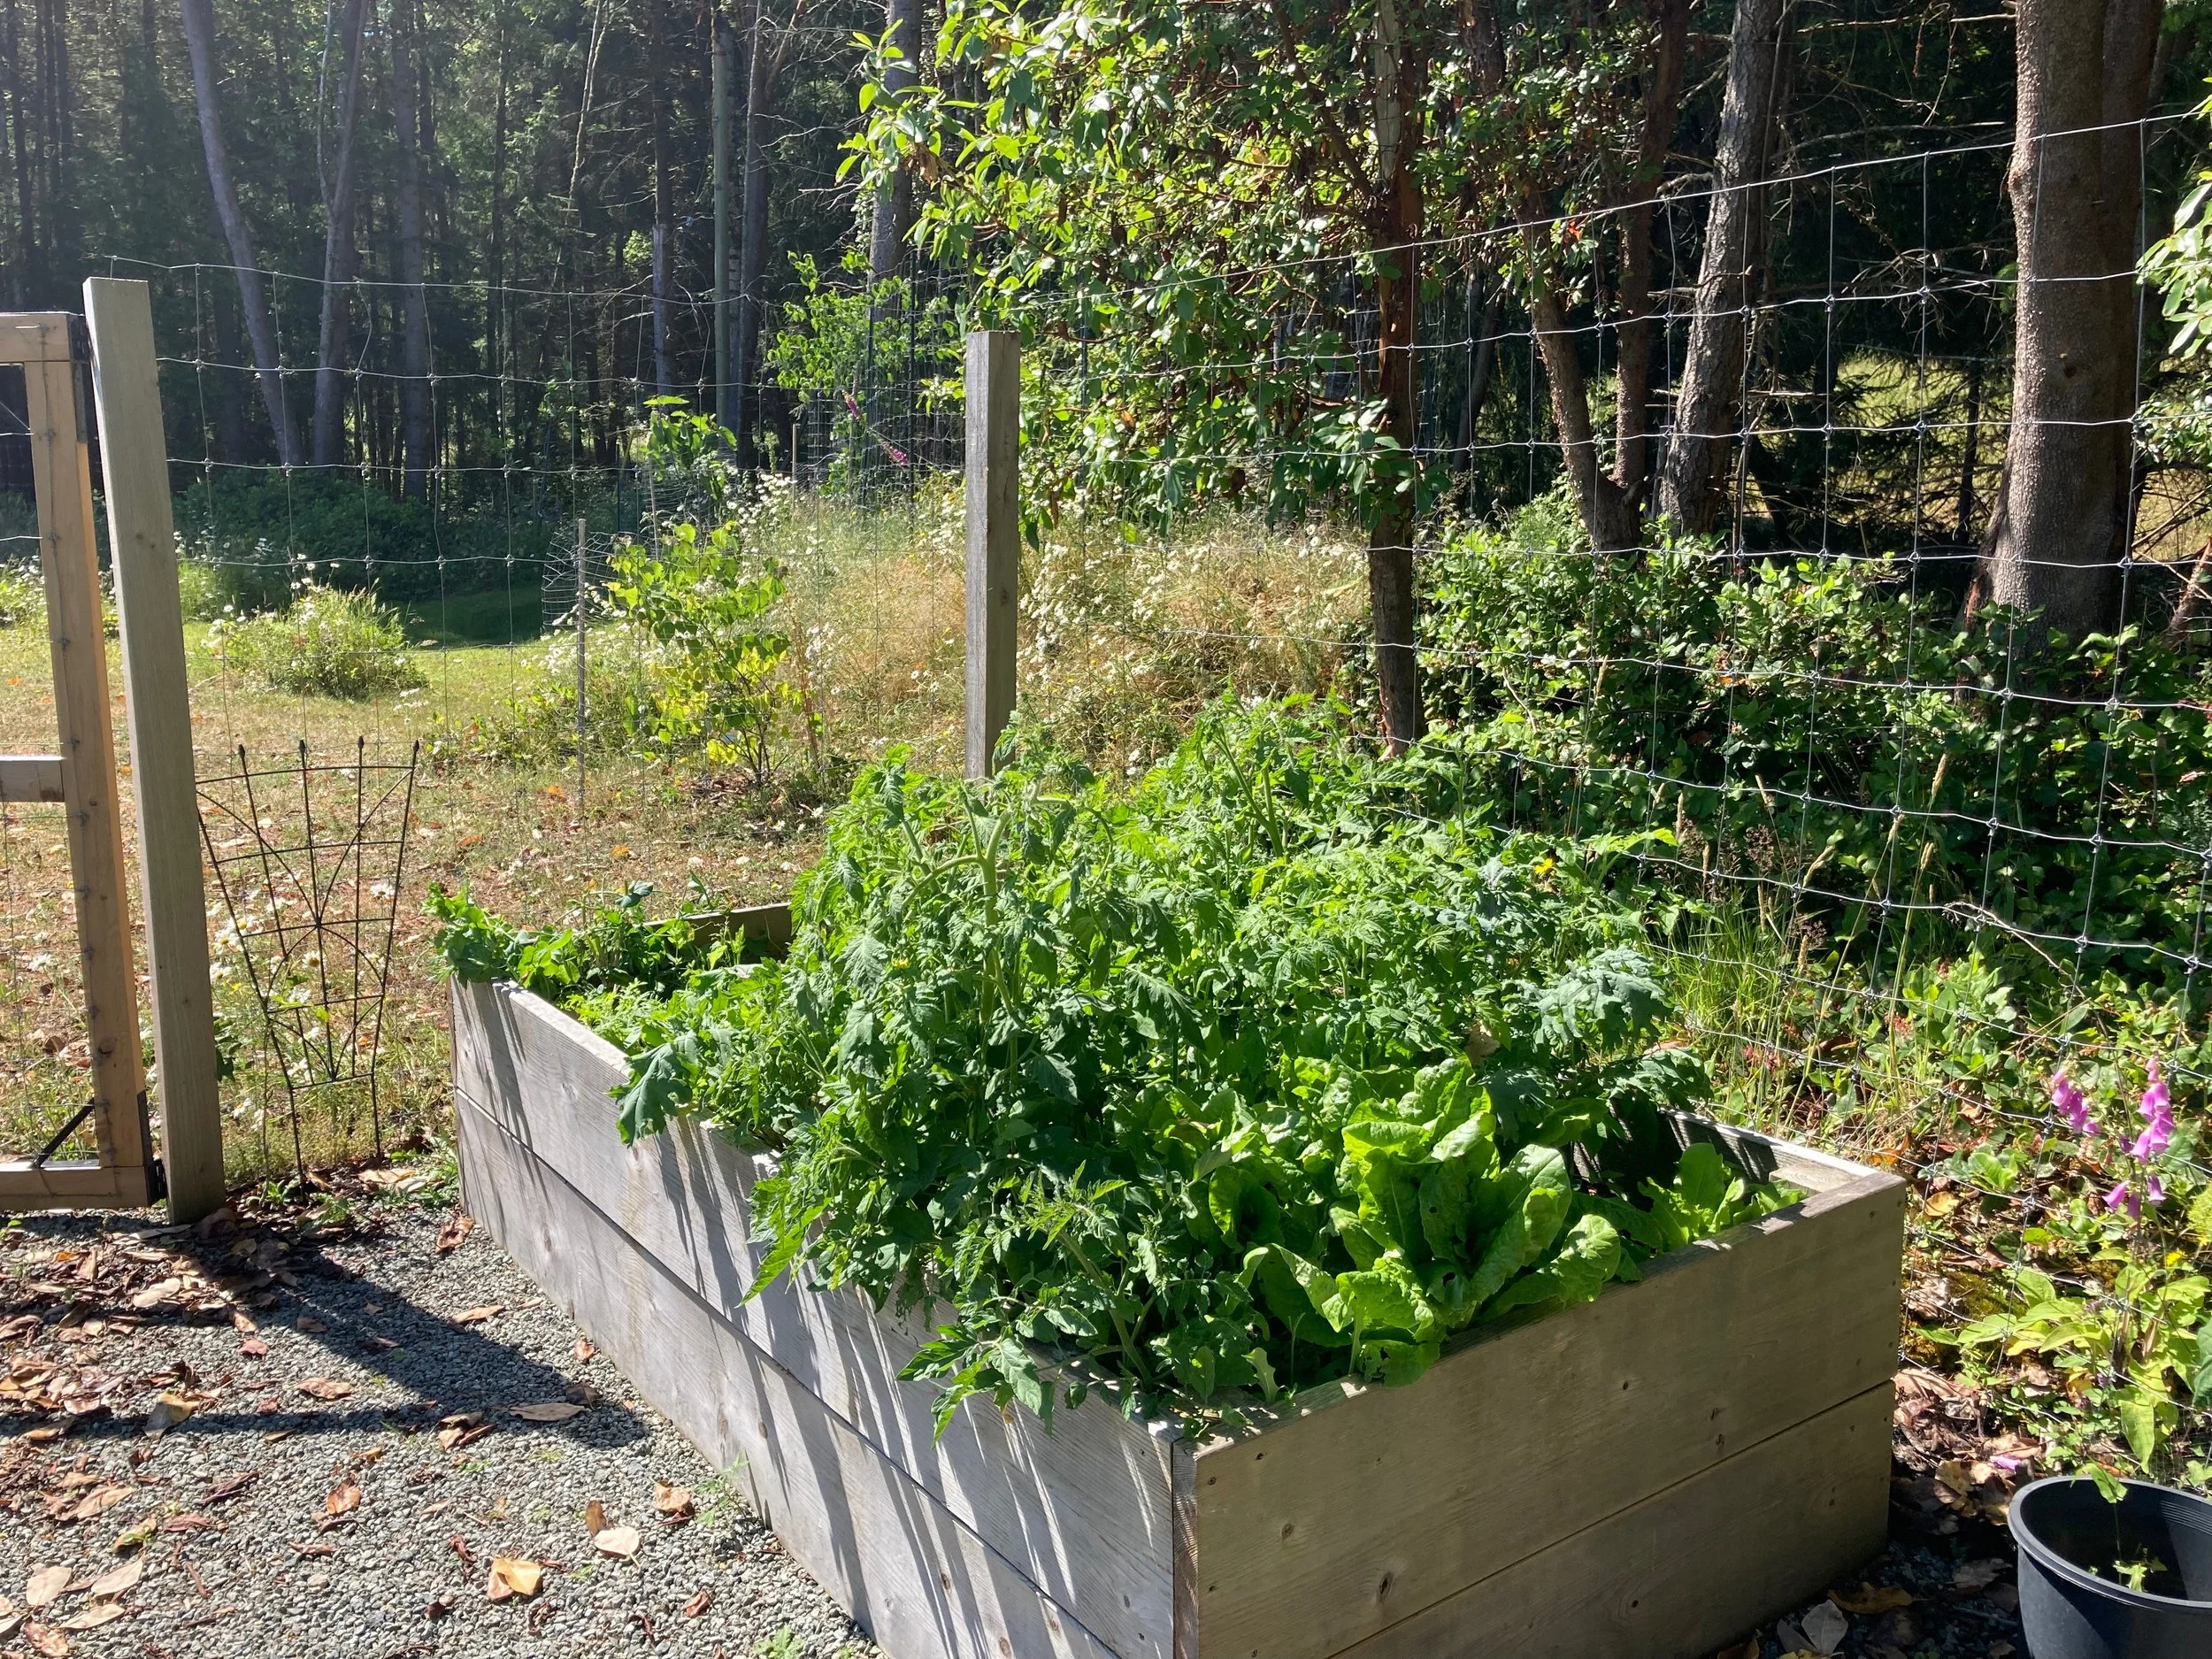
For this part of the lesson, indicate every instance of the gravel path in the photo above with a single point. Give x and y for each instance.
(302, 1439)
(298, 1435)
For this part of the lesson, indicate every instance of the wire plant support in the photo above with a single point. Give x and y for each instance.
(309, 859)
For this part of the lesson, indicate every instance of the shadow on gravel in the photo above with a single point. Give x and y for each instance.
(281, 1279)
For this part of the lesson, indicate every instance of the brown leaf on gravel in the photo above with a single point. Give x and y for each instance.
(343, 1498)
(700, 1602)
(169, 1410)
(254, 1347)
(98, 1504)
(230, 1485)
(45, 1586)
(549, 1411)
(190, 1522)
(308, 1325)
(93, 1617)
(462, 1427)
(620, 1542)
(326, 1388)
(583, 1349)
(241, 1320)
(594, 1517)
(1869, 1599)
(672, 1501)
(510, 1576)
(460, 1546)
(155, 1295)
(121, 1579)
(49, 1641)
(9, 1621)
(456, 1229)
(478, 1316)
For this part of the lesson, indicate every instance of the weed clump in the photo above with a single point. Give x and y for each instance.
(328, 642)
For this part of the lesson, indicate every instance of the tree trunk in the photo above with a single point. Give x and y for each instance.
(752, 252)
(414, 326)
(199, 37)
(496, 296)
(724, 54)
(1610, 514)
(2063, 518)
(19, 286)
(895, 198)
(1662, 106)
(1398, 226)
(341, 255)
(1694, 472)
(664, 210)
(765, 71)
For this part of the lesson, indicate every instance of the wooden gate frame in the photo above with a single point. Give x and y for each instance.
(54, 352)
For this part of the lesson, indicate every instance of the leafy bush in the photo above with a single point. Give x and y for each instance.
(1817, 723)
(704, 595)
(22, 596)
(328, 642)
(1244, 1080)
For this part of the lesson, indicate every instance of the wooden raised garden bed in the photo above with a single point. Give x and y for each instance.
(1648, 1474)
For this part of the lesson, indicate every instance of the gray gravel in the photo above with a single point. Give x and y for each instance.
(251, 1544)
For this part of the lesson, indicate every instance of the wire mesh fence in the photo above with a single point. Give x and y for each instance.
(1906, 859)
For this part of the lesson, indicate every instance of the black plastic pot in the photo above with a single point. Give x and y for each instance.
(2065, 1527)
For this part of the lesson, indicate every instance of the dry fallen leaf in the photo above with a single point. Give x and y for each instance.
(460, 1428)
(254, 1347)
(100, 1502)
(1825, 1626)
(1974, 1577)
(674, 1501)
(511, 1575)
(308, 1325)
(1869, 1599)
(93, 1617)
(477, 1316)
(45, 1586)
(548, 1411)
(324, 1388)
(594, 1517)
(121, 1579)
(154, 1296)
(343, 1498)
(700, 1602)
(583, 1349)
(241, 1320)
(451, 1234)
(50, 1642)
(620, 1542)
(169, 1410)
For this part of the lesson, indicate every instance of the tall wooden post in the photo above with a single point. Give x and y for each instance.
(994, 398)
(60, 419)
(158, 705)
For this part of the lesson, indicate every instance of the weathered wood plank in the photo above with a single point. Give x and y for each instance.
(993, 387)
(158, 701)
(61, 479)
(1690, 1567)
(924, 1584)
(28, 777)
(1530, 1433)
(1082, 1509)
(68, 1186)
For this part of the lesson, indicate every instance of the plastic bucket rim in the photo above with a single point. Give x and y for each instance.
(2051, 1562)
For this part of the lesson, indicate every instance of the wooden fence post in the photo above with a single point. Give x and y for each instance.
(156, 702)
(994, 416)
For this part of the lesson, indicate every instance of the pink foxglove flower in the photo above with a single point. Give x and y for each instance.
(2070, 1104)
(2153, 1191)
(2123, 1197)
(2158, 1118)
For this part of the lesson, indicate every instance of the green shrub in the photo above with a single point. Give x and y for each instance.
(22, 596)
(1813, 722)
(327, 642)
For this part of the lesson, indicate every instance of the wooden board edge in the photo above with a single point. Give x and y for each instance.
(914, 1523)
(1691, 1566)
